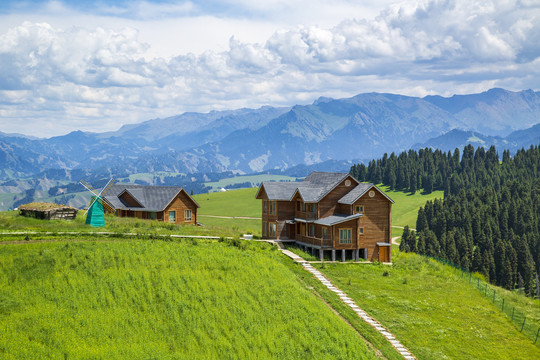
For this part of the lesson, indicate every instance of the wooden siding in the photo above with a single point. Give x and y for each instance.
(181, 203)
(376, 223)
(351, 224)
(329, 204)
(129, 201)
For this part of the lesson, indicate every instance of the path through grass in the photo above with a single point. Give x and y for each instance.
(432, 309)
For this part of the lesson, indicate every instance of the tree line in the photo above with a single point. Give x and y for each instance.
(488, 221)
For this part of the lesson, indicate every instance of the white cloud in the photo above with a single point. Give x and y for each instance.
(99, 78)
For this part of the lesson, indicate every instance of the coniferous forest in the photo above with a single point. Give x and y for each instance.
(488, 221)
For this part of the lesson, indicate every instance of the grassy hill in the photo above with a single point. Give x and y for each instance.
(433, 310)
(163, 300)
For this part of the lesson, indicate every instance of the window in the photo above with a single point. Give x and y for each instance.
(361, 231)
(272, 207)
(298, 206)
(172, 216)
(359, 209)
(272, 229)
(312, 230)
(152, 215)
(312, 208)
(265, 228)
(325, 233)
(303, 207)
(265, 205)
(344, 236)
(187, 215)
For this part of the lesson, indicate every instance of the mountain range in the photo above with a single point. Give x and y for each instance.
(277, 138)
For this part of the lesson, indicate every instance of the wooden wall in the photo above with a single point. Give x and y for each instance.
(376, 223)
(179, 204)
(329, 204)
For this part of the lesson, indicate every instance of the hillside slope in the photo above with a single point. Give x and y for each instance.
(156, 299)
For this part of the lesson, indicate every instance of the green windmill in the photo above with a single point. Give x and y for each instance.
(95, 215)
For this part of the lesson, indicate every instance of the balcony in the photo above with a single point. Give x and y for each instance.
(315, 241)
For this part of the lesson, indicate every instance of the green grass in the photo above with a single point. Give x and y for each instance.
(405, 208)
(12, 222)
(432, 309)
(255, 180)
(163, 300)
(239, 202)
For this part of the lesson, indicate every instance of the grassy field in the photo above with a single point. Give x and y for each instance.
(405, 208)
(433, 310)
(12, 222)
(232, 204)
(163, 300)
(255, 180)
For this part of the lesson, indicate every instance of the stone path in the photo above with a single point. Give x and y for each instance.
(362, 314)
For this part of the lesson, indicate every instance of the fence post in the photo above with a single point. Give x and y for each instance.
(522, 325)
(537, 335)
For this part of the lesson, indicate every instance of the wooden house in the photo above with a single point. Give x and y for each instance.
(163, 203)
(329, 212)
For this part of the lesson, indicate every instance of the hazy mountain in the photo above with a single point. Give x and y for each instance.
(494, 112)
(253, 140)
(460, 138)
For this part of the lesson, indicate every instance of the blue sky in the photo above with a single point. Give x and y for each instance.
(96, 65)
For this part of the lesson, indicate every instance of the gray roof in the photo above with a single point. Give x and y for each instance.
(152, 198)
(358, 192)
(336, 219)
(312, 189)
(280, 190)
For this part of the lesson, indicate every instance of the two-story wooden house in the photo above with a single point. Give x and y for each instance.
(329, 212)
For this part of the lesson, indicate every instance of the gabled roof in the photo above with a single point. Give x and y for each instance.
(358, 192)
(278, 190)
(312, 189)
(152, 198)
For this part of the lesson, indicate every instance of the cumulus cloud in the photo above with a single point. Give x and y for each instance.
(98, 79)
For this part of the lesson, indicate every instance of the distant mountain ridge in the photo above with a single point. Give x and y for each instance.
(252, 140)
(459, 139)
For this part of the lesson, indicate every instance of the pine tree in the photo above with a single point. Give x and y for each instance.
(403, 245)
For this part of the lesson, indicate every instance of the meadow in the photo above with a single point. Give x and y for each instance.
(12, 226)
(163, 300)
(433, 309)
(230, 205)
(405, 209)
(255, 180)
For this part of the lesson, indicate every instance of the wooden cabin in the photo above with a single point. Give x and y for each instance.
(163, 203)
(48, 211)
(329, 212)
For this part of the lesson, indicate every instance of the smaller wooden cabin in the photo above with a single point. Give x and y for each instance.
(163, 203)
(48, 211)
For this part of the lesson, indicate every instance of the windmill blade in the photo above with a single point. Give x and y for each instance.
(94, 199)
(106, 203)
(107, 187)
(93, 191)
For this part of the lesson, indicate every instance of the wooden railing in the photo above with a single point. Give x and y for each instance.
(314, 241)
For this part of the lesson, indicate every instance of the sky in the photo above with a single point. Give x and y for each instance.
(97, 65)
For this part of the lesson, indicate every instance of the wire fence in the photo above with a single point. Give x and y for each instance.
(518, 318)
